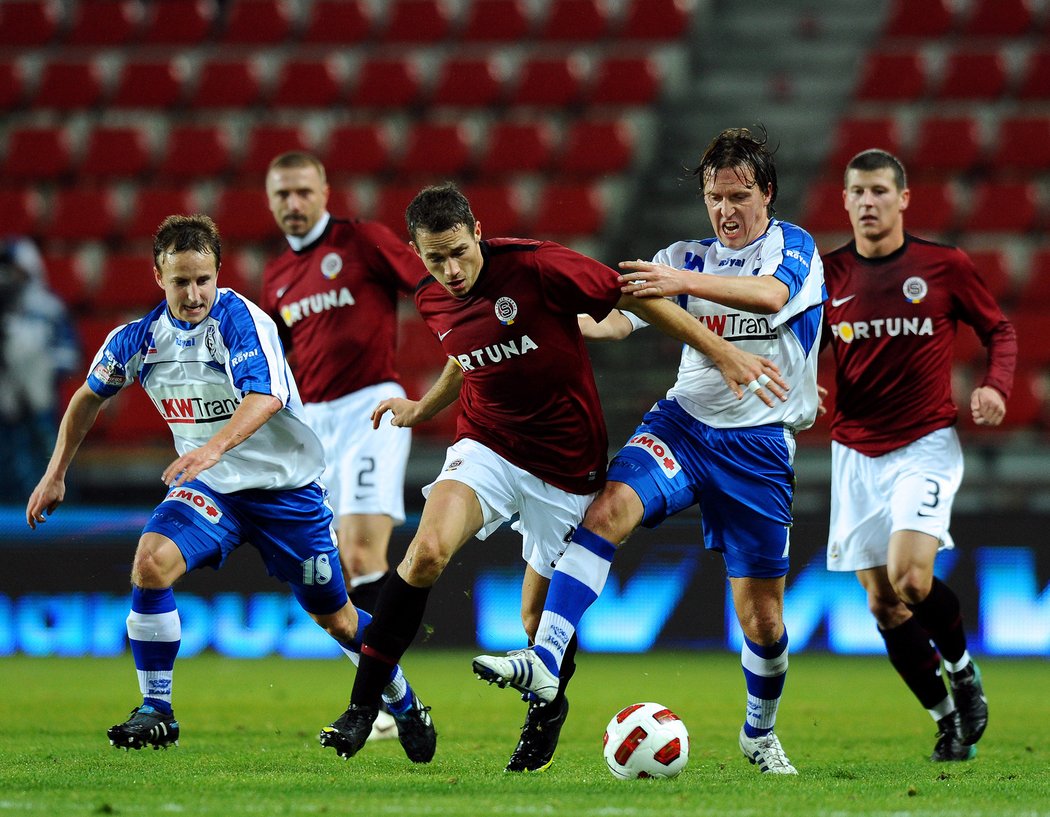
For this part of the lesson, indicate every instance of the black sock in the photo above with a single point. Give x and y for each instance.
(940, 616)
(395, 622)
(917, 662)
(366, 596)
(568, 664)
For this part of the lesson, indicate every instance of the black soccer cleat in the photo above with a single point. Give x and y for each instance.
(970, 702)
(539, 736)
(415, 730)
(145, 727)
(349, 733)
(950, 744)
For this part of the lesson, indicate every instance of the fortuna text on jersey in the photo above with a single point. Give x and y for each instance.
(496, 353)
(848, 332)
(305, 307)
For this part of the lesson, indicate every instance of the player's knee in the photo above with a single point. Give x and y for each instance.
(763, 627)
(608, 518)
(152, 569)
(912, 586)
(425, 562)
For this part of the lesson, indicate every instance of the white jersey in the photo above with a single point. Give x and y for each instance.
(196, 376)
(790, 338)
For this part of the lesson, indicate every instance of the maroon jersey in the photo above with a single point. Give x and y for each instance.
(892, 323)
(528, 390)
(335, 305)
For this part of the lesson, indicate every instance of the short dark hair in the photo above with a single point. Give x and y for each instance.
(739, 147)
(438, 208)
(297, 158)
(195, 233)
(877, 159)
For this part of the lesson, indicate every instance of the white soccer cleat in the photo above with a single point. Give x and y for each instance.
(384, 727)
(522, 669)
(767, 753)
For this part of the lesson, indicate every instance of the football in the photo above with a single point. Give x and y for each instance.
(645, 740)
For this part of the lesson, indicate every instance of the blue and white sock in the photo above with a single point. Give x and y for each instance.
(155, 633)
(397, 695)
(765, 669)
(576, 584)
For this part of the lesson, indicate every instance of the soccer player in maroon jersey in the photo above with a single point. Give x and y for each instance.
(531, 438)
(893, 304)
(333, 293)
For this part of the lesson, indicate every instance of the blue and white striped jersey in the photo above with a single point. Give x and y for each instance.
(790, 337)
(196, 376)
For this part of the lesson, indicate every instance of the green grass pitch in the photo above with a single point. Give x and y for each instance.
(249, 742)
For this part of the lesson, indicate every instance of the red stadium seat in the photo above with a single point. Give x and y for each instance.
(555, 82)
(65, 277)
(391, 202)
(823, 210)
(19, 211)
(1023, 144)
(243, 214)
(149, 85)
(241, 271)
(568, 210)
(27, 23)
(386, 83)
(308, 84)
(343, 203)
(920, 18)
(973, 75)
(1035, 290)
(931, 208)
(12, 85)
(256, 22)
(267, 141)
(625, 81)
(188, 23)
(517, 147)
(339, 22)
(82, 214)
(103, 23)
(195, 151)
(126, 284)
(436, 150)
(576, 20)
(497, 207)
(854, 135)
(468, 82)
(115, 153)
(419, 362)
(504, 21)
(892, 77)
(946, 145)
(151, 205)
(357, 150)
(596, 147)
(416, 21)
(1009, 207)
(36, 154)
(656, 19)
(226, 84)
(994, 270)
(1035, 79)
(999, 18)
(69, 86)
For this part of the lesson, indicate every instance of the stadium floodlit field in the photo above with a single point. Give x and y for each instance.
(249, 742)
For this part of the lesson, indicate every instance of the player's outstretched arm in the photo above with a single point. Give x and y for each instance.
(407, 413)
(762, 295)
(77, 421)
(614, 326)
(253, 412)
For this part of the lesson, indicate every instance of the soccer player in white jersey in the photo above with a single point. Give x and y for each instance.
(246, 472)
(759, 284)
(895, 301)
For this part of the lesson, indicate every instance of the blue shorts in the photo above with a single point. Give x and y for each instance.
(741, 478)
(292, 530)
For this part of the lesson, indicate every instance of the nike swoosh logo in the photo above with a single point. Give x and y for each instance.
(443, 335)
(841, 301)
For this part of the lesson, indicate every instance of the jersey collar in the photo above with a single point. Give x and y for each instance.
(299, 243)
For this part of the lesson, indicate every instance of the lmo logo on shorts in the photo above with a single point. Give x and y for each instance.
(658, 450)
(196, 500)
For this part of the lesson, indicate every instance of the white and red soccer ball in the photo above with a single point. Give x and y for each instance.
(645, 740)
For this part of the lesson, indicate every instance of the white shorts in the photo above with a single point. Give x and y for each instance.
(547, 516)
(364, 467)
(911, 488)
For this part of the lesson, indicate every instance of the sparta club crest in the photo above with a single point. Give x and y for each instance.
(915, 289)
(506, 310)
(331, 265)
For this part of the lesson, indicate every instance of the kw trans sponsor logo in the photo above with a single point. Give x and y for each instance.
(294, 312)
(735, 326)
(881, 328)
(192, 410)
(196, 500)
(495, 353)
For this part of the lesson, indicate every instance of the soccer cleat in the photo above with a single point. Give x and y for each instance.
(415, 730)
(384, 728)
(522, 669)
(349, 733)
(950, 745)
(145, 727)
(766, 752)
(970, 702)
(539, 738)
